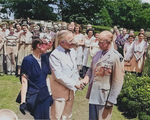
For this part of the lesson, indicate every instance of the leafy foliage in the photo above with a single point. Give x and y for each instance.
(34, 9)
(130, 14)
(135, 96)
(103, 18)
(100, 28)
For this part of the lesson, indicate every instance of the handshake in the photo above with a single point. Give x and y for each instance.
(80, 85)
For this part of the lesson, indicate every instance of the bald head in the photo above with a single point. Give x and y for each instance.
(106, 36)
(6, 114)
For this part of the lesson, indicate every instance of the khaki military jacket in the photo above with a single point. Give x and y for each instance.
(106, 77)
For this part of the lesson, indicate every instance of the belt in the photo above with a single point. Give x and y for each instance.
(25, 43)
(120, 46)
(11, 45)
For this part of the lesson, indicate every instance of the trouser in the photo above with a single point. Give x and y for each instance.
(97, 112)
(84, 69)
(11, 66)
(10, 58)
(61, 110)
(1, 63)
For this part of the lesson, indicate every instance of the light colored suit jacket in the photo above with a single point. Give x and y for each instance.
(64, 73)
(106, 77)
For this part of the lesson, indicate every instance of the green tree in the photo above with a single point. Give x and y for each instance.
(144, 19)
(103, 18)
(35, 9)
(125, 12)
(84, 9)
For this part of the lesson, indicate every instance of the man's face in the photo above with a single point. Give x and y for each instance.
(55, 27)
(4, 27)
(124, 32)
(103, 42)
(11, 30)
(49, 28)
(142, 31)
(131, 33)
(24, 28)
(59, 25)
(36, 28)
(89, 26)
(18, 27)
(68, 41)
(70, 27)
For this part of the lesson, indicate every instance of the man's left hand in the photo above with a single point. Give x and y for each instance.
(108, 105)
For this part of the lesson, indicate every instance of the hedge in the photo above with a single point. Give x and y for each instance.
(101, 28)
(134, 98)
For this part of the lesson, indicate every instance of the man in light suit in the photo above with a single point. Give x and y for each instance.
(105, 78)
(65, 77)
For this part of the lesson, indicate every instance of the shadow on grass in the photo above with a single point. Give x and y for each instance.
(127, 114)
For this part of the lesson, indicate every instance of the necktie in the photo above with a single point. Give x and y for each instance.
(104, 52)
(67, 50)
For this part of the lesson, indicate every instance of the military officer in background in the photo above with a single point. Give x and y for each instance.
(49, 30)
(4, 29)
(59, 26)
(55, 28)
(63, 26)
(1, 52)
(42, 25)
(51, 34)
(3, 33)
(24, 47)
(36, 30)
(11, 49)
(105, 78)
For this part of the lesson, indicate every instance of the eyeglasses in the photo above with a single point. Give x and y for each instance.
(70, 41)
(105, 41)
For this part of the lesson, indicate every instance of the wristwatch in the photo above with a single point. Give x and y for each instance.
(108, 105)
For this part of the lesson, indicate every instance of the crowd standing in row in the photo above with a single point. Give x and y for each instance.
(133, 48)
(70, 56)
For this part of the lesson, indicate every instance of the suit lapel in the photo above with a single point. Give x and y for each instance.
(65, 57)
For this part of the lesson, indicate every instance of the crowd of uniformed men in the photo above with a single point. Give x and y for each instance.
(16, 40)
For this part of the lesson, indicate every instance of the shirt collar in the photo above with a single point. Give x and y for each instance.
(62, 49)
(38, 59)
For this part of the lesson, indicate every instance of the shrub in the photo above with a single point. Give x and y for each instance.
(101, 28)
(135, 96)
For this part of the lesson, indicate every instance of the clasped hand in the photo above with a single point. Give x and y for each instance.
(81, 84)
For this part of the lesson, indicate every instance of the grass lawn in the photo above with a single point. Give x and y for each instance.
(10, 87)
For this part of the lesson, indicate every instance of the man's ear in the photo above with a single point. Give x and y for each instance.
(39, 45)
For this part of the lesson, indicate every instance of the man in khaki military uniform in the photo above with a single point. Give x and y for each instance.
(11, 48)
(24, 47)
(50, 33)
(105, 78)
(1, 52)
(3, 33)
